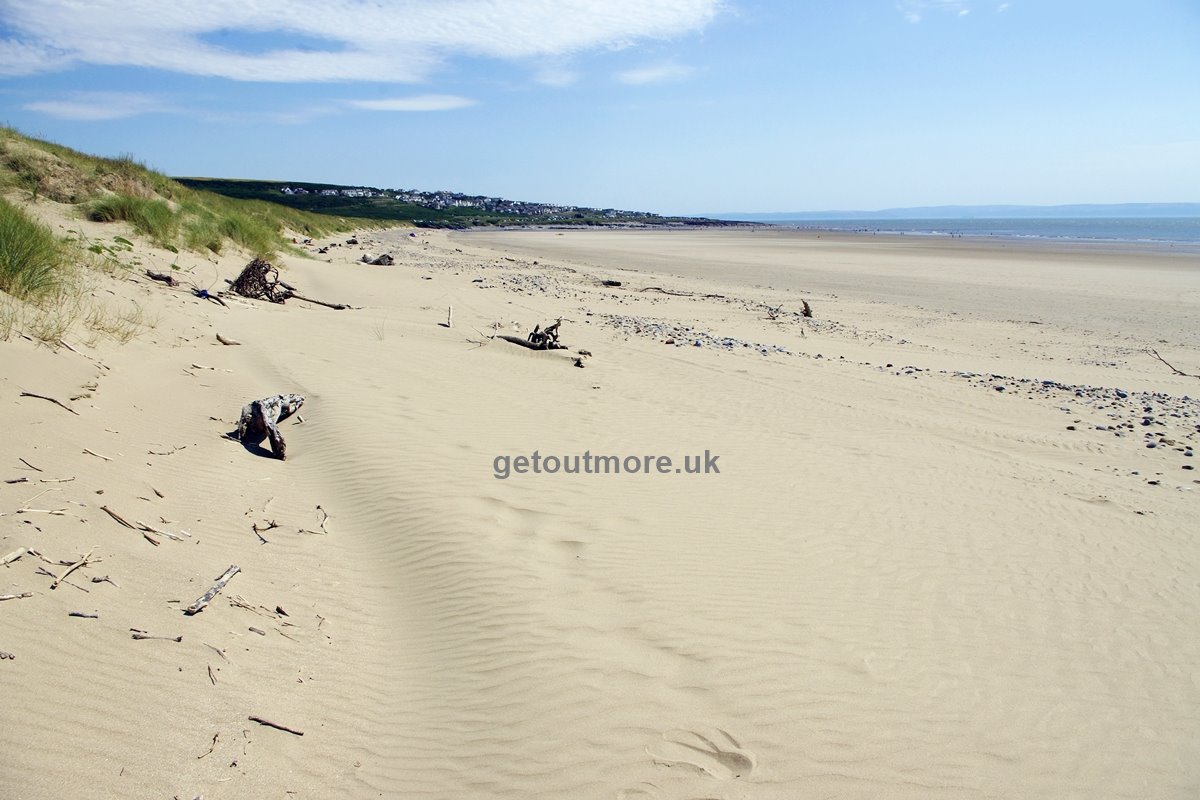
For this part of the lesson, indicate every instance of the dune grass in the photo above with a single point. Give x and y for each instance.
(31, 259)
(167, 212)
(150, 216)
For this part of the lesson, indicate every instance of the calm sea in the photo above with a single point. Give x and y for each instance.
(1122, 229)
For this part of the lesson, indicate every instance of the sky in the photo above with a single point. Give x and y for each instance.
(669, 106)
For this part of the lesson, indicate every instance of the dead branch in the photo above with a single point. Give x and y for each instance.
(212, 746)
(16, 596)
(143, 635)
(206, 598)
(1171, 366)
(81, 562)
(212, 678)
(16, 480)
(97, 455)
(31, 466)
(260, 420)
(13, 556)
(105, 579)
(52, 400)
(163, 277)
(226, 341)
(276, 725)
(83, 615)
(121, 520)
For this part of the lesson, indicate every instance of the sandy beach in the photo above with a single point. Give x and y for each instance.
(944, 547)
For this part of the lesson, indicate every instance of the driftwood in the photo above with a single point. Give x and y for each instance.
(276, 725)
(80, 563)
(16, 596)
(260, 419)
(126, 523)
(260, 281)
(1154, 353)
(52, 400)
(162, 277)
(539, 339)
(226, 341)
(206, 598)
(143, 635)
(13, 556)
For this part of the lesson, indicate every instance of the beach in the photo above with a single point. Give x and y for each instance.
(935, 540)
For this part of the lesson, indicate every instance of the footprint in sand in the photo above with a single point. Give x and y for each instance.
(718, 755)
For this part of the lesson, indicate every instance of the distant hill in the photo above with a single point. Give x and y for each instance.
(1082, 211)
(442, 209)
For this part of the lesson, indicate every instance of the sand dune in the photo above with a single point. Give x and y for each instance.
(903, 582)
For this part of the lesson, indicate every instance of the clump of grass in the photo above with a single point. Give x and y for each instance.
(152, 217)
(31, 259)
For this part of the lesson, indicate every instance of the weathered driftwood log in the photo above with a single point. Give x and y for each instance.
(539, 339)
(206, 598)
(261, 418)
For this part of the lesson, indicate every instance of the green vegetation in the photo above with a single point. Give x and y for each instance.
(31, 259)
(170, 214)
(152, 217)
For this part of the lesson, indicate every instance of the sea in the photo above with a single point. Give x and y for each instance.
(1165, 230)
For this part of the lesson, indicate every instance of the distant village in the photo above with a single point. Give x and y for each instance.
(446, 200)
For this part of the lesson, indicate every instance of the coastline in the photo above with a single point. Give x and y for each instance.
(903, 579)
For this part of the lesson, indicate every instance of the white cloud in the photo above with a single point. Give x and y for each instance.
(368, 40)
(659, 73)
(915, 10)
(425, 102)
(97, 106)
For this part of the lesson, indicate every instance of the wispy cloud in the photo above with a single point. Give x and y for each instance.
(392, 41)
(658, 73)
(915, 10)
(425, 102)
(99, 106)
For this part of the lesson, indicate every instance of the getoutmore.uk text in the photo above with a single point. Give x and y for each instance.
(590, 464)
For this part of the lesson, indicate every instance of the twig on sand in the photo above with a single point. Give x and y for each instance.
(13, 556)
(206, 598)
(83, 615)
(227, 341)
(212, 746)
(15, 596)
(143, 635)
(81, 562)
(26, 463)
(275, 725)
(105, 579)
(17, 480)
(127, 524)
(1171, 366)
(211, 677)
(97, 455)
(52, 400)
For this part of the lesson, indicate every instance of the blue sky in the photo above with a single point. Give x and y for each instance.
(674, 106)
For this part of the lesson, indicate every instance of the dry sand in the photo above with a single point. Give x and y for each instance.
(921, 571)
